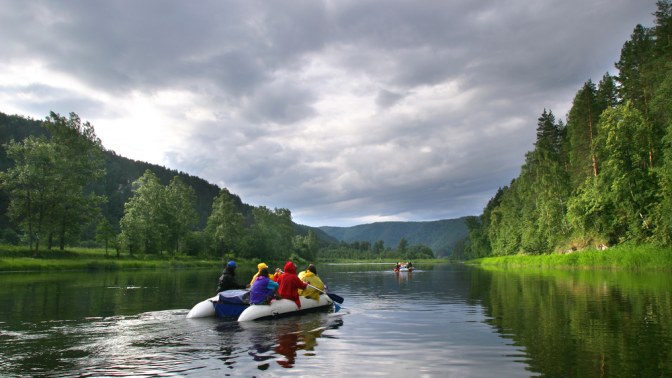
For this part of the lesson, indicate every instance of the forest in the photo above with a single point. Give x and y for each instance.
(603, 177)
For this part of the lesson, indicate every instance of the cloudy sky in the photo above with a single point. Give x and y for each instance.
(343, 111)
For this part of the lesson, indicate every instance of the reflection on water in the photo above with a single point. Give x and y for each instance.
(282, 339)
(591, 323)
(402, 277)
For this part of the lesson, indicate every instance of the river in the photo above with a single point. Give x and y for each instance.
(443, 320)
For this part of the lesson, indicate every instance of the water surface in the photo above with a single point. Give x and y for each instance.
(441, 320)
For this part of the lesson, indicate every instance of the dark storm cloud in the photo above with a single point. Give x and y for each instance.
(344, 112)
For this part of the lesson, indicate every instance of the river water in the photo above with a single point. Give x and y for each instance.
(444, 320)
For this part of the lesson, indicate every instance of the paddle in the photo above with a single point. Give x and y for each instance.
(334, 297)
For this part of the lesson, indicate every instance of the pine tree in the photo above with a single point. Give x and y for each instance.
(581, 130)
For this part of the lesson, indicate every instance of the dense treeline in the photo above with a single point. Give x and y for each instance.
(604, 177)
(364, 250)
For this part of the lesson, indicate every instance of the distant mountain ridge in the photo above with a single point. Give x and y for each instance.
(441, 235)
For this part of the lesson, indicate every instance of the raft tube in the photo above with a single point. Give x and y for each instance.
(226, 304)
(203, 309)
(284, 307)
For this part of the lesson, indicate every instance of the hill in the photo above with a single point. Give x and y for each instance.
(441, 236)
(121, 172)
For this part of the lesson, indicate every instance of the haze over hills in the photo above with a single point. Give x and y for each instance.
(441, 235)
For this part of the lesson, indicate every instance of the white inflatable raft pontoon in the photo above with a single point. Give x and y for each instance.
(247, 312)
(281, 307)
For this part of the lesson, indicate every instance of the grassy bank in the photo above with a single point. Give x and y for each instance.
(391, 262)
(626, 257)
(20, 259)
(16, 259)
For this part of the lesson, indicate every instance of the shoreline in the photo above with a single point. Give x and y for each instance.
(622, 257)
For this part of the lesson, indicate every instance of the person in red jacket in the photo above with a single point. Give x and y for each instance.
(289, 284)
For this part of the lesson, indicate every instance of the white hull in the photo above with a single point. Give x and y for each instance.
(203, 309)
(283, 306)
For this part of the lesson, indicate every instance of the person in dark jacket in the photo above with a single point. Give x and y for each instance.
(263, 289)
(227, 281)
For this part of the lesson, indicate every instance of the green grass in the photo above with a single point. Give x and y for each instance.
(624, 257)
(627, 257)
(13, 259)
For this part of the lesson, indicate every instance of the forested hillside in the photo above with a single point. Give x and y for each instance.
(121, 172)
(441, 236)
(605, 176)
(116, 187)
(125, 186)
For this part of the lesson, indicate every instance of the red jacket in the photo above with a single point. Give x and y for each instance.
(290, 284)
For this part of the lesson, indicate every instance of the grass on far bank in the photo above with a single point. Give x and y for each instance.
(17, 258)
(625, 257)
(20, 258)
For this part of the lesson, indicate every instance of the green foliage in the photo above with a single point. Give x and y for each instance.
(158, 218)
(626, 181)
(605, 178)
(271, 234)
(306, 247)
(477, 243)
(24, 259)
(225, 226)
(402, 246)
(48, 185)
(377, 251)
(105, 233)
(626, 256)
(179, 213)
(529, 214)
(140, 226)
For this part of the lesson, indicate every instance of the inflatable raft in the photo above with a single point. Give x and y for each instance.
(235, 304)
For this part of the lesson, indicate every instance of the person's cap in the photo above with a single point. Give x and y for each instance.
(262, 265)
(231, 264)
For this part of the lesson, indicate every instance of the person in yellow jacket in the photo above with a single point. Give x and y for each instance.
(310, 276)
(260, 266)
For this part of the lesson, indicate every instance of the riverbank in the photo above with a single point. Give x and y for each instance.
(626, 257)
(21, 259)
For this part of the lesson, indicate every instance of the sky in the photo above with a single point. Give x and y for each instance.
(344, 112)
